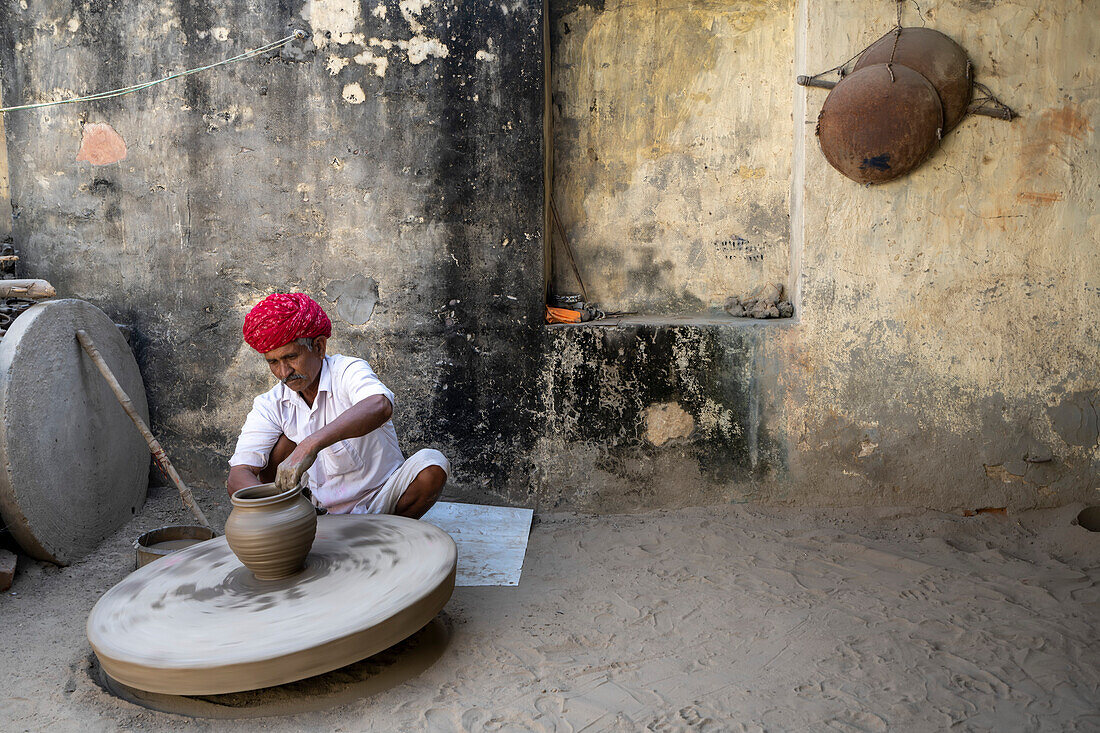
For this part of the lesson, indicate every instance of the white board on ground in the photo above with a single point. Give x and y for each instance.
(491, 540)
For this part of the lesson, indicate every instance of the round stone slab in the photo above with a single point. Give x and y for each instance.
(197, 622)
(73, 468)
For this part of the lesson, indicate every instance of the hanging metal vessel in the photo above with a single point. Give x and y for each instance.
(879, 123)
(933, 55)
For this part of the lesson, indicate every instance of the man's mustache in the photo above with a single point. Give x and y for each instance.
(292, 377)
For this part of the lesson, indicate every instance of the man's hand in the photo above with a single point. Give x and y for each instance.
(291, 470)
(361, 418)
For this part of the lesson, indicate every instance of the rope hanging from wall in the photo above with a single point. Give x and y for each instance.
(298, 35)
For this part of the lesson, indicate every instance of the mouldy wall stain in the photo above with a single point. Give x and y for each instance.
(946, 313)
(946, 348)
(262, 176)
(644, 416)
(672, 149)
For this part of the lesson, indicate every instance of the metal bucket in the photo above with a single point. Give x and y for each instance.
(880, 122)
(935, 57)
(157, 543)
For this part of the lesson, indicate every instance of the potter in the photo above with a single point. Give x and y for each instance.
(328, 421)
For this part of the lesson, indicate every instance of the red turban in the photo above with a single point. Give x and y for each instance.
(280, 318)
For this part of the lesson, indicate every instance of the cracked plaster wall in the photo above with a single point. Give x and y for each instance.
(672, 149)
(410, 209)
(947, 343)
(946, 348)
(949, 319)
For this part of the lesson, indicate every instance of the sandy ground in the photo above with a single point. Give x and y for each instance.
(722, 618)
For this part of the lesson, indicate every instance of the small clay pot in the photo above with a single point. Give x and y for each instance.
(271, 532)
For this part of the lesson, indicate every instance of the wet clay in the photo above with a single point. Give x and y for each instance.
(271, 531)
(197, 622)
(163, 541)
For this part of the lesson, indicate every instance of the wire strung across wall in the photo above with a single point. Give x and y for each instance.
(298, 35)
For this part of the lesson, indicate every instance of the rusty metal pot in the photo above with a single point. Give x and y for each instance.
(879, 123)
(935, 57)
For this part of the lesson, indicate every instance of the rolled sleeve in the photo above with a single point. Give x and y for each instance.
(258, 436)
(359, 382)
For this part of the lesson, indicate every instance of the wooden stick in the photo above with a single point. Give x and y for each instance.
(158, 452)
(9, 258)
(26, 289)
(568, 249)
(999, 114)
(813, 81)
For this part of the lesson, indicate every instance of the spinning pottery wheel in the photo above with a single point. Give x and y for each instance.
(198, 622)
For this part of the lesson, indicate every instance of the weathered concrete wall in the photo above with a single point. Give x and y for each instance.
(946, 330)
(949, 319)
(652, 415)
(672, 149)
(404, 149)
(946, 350)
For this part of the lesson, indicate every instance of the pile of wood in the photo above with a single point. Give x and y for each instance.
(17, 295)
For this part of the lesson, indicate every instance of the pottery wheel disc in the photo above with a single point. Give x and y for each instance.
(199, 623)
(73, 468)
(935, 57)
(879, 123)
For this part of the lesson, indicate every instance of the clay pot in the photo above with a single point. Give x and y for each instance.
(271, 532)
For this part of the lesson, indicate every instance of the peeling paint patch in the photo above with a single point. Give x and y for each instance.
(1039, 197)
(73, 25)
(379, 62)
(485, 56)
(410, 10)
(333, 21)
(383, 42)
(1076, 420)
(1067, 121)
(336, 64)
(355, 298)
(101, 145)
(353, 93)
(866, 448)
(999, 473)
(666, 422)
(420, 48)
(379, 11)
(220, 34)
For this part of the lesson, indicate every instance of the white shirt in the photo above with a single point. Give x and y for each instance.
(347, 470)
